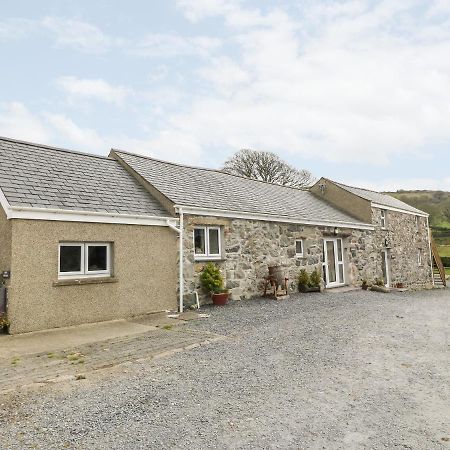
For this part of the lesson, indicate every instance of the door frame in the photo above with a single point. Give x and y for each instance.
(336, 262)
(385, 262)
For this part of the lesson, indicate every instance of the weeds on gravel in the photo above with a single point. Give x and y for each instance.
(15, 361)
(75, 358)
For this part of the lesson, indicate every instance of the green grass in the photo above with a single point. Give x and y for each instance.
(447, 270)
(444, 250)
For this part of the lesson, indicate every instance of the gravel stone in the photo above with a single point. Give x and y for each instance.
(356, 370)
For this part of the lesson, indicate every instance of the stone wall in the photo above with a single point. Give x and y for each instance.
(404, 239)
(249, 247)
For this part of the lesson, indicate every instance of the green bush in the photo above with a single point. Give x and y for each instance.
(446, 261)
(379, 282)
(211, 278)
(303, 278)
(4, 322)
(314, 278)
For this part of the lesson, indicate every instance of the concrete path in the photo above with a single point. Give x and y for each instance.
(61, 354)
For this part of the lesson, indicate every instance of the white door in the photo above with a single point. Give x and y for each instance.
(385, 268)
(333, 262)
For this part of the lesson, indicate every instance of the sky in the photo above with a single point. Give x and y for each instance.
(354, 90)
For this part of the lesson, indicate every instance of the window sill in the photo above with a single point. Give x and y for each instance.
(208, 258)
(84, 281)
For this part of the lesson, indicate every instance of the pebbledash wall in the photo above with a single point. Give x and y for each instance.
(144, 275)
(249, 247)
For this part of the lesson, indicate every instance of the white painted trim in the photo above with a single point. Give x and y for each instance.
(5, 204)
(269, 218)
(299, 255)
(387, 263)
(84, 272)
(181, 261)
(207, 255)
(65, 215)
(390, 208)
(337, 263)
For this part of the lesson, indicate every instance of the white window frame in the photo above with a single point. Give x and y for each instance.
(71, 274)
(207, 255)
(85, 272)
(419, 257)
(418, 223)
(299, 255)
(383, 219)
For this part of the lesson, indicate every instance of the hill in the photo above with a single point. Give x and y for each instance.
(435, 203)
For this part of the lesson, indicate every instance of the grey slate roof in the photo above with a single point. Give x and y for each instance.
(381, 199)
(213, 189)
(33, 175)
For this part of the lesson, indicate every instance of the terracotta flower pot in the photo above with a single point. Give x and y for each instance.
(220, 299)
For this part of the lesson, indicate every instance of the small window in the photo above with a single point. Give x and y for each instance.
(84, 260)
(71, 257)
(417, 223)
(207, 243)
(383, 218)
(299, 247)
(419, 257)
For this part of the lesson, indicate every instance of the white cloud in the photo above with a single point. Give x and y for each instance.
(98, 89)
(172, 45)
(350, 82)
(16, 121)
(81, 36)
(83, 137)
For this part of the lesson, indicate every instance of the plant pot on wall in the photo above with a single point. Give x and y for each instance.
(220, 299)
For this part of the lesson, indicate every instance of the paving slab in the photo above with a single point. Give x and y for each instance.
(61, 338)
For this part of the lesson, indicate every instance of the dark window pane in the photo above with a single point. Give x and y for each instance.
(298, 247)
(213, 242)
(97, 258)
(69, 258)
(199, 241)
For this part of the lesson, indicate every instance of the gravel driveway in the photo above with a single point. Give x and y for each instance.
(317, 371)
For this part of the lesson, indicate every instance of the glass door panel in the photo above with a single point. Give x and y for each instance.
(331, 261)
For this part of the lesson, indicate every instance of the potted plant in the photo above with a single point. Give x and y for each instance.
(4, 323)
(378, 286)
(364, 285)
(212, 280)
(307, 282)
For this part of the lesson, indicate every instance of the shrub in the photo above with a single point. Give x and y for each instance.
(379, 282)
(303, 278)
(446, 261)
(211, 278)
(314, 278)
(4, 322)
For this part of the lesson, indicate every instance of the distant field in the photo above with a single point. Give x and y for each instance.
(444, 250)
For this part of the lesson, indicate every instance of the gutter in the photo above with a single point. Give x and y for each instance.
(270, 218)
(179, 230)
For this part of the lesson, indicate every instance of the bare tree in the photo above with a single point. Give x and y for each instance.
(267, 166)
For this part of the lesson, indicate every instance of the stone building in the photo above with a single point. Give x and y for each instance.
(246, 226)
(86, 238)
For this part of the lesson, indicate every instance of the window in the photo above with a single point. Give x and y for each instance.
(383, 218)
(207, 243)
(81, 259)
(419, 257)
(417, 223)
(299, 247)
